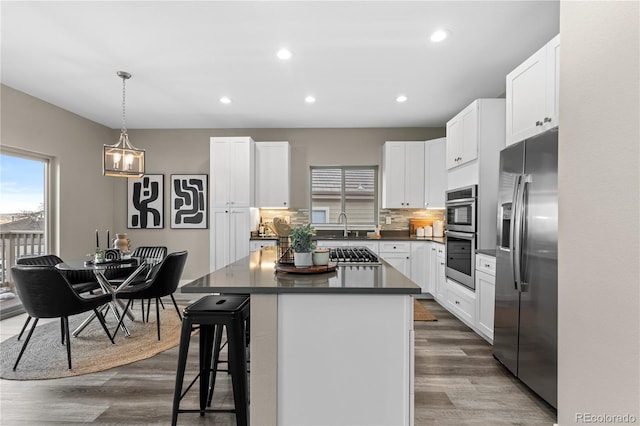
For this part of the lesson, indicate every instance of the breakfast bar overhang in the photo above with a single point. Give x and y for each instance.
(332, 348)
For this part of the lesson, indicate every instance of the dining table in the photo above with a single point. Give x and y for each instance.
(99, 269)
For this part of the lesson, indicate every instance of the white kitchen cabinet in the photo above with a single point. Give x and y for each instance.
(228, 236)
(398, 254)
(483, 171)
(232, 164)
(462, 137)
(420, 262)
(532, 94)
(461, 302)
(485, 295)
(403, 175)
(440, 275)
(435, 173)
(255, 245)
(273, 174)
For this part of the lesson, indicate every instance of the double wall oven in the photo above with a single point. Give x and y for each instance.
(460, 235)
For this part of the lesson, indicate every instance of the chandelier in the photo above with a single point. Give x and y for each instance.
(123, 159)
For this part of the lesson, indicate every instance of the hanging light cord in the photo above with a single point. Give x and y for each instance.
(124, 126)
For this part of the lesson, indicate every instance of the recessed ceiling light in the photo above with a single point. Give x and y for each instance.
(439, 36)
(309, 99)
(284, 54)
(401, 98)
(225, 100)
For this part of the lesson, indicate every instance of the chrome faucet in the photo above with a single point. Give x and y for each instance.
(346, 226)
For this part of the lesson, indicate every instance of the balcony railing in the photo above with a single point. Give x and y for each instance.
(14, 245)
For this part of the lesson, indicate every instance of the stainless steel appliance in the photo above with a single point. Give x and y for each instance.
(460, 235)
(461, 257)
(460, 208)
(526, 304)
(354, 256)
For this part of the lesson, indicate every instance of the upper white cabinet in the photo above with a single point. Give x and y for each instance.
(403, 175)
(273, 174)
(232, 171)
(435, 173)
(462, 137)
(532, 94)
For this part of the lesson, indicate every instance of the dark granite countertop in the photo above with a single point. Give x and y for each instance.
(256, 274)
(400, 236)
(487, 252)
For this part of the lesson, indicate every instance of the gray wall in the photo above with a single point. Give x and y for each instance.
(599, 250)
(85, 197)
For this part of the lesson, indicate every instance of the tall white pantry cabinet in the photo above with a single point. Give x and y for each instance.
(232, 166)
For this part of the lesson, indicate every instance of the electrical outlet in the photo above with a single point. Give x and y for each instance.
(387, 220)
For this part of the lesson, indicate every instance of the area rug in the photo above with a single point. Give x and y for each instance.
(92, 351)
(420, 313)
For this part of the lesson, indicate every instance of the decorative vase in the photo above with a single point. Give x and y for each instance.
(121, 242)
(302, 260)
(98, 257)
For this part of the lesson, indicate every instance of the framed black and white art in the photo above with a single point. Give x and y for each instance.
(189, 195)
(145, 205)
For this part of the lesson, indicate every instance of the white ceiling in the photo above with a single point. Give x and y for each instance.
(354, 57)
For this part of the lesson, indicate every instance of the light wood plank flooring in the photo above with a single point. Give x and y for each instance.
(457, 382)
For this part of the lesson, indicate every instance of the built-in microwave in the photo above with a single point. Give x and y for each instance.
(460, 208)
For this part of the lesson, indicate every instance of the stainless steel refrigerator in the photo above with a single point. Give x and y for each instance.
(526, 308)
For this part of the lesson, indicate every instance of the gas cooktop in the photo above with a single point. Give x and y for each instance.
(354, 256)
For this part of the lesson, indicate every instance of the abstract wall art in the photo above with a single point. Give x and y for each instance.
(189, 195)
(145, 206)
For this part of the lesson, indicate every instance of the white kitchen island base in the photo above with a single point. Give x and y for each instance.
(331, 359)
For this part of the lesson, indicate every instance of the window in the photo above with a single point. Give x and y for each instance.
(23, 217)
(349, 189)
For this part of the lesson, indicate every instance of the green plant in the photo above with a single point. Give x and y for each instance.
(301, 238)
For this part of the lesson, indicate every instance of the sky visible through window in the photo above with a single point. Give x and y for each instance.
(21, 184)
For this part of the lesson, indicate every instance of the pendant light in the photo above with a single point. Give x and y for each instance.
(123, 159)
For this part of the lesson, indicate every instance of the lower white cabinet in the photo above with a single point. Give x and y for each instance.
(398, 254)
(255, 245)
(420, 265)
(228, 236)
(485, 295)
(440, 274)
(461, 302)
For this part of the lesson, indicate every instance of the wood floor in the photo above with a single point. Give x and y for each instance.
(457, 382)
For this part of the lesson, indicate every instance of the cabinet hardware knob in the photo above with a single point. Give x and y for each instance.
(538, 123)
(285, 203)
(442, 263)
(547, 120)
(486, 265)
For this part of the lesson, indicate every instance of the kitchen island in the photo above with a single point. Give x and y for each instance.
(333, 348)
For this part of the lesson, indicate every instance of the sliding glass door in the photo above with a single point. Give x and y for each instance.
(23, 218)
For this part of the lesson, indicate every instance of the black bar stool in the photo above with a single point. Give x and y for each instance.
(211, 314)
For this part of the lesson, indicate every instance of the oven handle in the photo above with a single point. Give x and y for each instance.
(461, 201)
(461, 235)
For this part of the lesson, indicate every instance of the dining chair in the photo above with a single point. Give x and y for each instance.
(143, 252)
(46, 293)
(81, 281)
(164, 282)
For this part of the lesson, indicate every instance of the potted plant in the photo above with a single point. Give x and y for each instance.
(303, 245)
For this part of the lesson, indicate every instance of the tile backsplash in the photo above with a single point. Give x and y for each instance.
(399, 217)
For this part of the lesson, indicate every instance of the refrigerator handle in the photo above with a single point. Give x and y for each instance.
(526, 180)
(513, 229)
